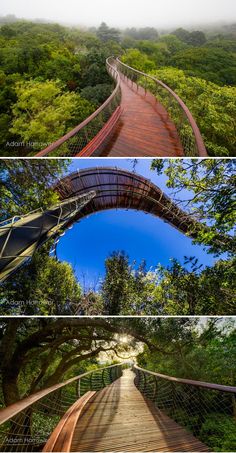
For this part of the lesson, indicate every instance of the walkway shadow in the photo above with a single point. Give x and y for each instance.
(176, 437)
(99, 413)
(109, 143)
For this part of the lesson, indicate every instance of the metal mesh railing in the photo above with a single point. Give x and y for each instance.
(202, 408)
(20, 236)
(26, 425)
(75, 142)
(188, 132)
(117, 188)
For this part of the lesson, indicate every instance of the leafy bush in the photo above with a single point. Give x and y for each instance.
(96, 94)
(43, 112)
(219, 432)
(212, 106)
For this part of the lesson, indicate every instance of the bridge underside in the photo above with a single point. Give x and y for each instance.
(118, 188)
(119, 418)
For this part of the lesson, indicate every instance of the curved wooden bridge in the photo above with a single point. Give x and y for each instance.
(142, 117)
(83, 193)
(108, 409)
(120, 418)
(144, 127)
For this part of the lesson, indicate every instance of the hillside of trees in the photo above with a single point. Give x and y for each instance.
(52, 77)
(48, 286)
(37, 353)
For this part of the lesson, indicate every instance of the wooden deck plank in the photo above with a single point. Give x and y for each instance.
(144, 128)
(119, 418)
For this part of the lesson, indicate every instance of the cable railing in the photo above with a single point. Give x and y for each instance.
(90, 136)
(118, 188)
(27, 424)
(200, 407)
(86, 192)
(188, 131)
(21, 236)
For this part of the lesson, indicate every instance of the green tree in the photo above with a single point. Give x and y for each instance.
(194, 290)
(193, 349)
(157, 52)
(105, 33)
(181, 34)
(176, 289)
(217, 289)
(138, 60)
(208, 63)
(116, 285)
(27, 185)
(197, 38)
(43, 112)
(96, 94)
(128, 289)
(214, 112)
(39, 352)
(7, 98)
(61, 65)
(173, 44)
(210, 186)
(44, 286)
(194, 38)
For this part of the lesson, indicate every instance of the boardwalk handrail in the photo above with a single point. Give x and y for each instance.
(19, 421)
(79, 137)
(134, 75)
(193, 404)
(206, 385)
(62, 436)
(112, 182)
(22, 235)
(86, 192)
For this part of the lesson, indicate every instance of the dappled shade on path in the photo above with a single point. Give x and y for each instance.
(119, 418)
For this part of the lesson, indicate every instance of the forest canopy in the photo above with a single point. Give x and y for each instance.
(60, 74)
(46, 285)
(27, 344)
(38, 353)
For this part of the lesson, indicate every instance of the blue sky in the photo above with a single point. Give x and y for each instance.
(141, 236)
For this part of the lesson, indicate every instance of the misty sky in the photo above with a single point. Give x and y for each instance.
(125, 13)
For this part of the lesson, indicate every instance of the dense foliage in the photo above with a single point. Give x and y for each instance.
(37, 353)
(203, 73)
(27, 185)
(207, 355)
(172, 290)
(52, 77)
(47, 286)
(175, 346)
(44, 286)
(210, 186)
(43, 112)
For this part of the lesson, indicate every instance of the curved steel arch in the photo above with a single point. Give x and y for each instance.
(118, 188)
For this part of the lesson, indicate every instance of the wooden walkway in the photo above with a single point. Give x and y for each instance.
(119, 418)
(144, 128)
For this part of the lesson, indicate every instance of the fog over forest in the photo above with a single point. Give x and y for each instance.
(123, 13)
